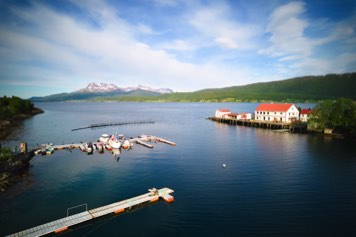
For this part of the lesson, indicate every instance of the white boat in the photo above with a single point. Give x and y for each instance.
(126, 145)
(100, 147)
(104, 138)
(114, 143)
(87, 147)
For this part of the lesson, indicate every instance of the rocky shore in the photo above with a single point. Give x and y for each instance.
(13, 169)
(14, 166)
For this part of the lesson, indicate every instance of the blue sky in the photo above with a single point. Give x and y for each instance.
(49, 47)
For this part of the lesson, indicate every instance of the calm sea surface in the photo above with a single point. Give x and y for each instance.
(274, 184)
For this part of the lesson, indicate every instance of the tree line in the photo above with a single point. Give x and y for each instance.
(338, 115)
(10, 107)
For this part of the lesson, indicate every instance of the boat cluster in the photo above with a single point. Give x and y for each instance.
(45, 149)
(111, 143)
(107, 142)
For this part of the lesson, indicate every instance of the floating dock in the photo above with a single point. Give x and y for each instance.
(49, 148)
(114, 208)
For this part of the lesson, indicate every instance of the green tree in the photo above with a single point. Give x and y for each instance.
(10, 107)
(339, 115)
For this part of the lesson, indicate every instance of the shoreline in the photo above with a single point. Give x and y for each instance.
(13, 168)
(9, 125)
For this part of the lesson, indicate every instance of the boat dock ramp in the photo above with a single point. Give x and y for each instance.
(64, 224)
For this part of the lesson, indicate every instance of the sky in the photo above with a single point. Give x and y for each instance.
(49, 47)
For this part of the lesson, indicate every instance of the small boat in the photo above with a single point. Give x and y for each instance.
(89, 148)
(46, 149)
(114, 143)
(104, 138)
(126, 145)
(49, 150)
(100, 147)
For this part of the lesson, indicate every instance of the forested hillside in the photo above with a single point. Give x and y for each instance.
(308, 88)
(296, 89)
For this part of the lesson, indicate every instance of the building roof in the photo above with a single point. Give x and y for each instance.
(306, 111)
(274, 107)
(224, 110)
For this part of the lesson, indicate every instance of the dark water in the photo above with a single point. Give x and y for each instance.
(274, 184)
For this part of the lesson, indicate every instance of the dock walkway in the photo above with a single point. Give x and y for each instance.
(63, 224)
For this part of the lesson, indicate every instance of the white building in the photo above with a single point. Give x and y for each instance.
(222, 113)
(282, 113)
(243, 116)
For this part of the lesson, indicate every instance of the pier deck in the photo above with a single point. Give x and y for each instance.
(262, 124)
(117, 207)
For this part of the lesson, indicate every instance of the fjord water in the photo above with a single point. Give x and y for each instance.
(274, 184)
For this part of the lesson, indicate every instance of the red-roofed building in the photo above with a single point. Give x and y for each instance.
(304, 114)
(282, 113)
(222, 113)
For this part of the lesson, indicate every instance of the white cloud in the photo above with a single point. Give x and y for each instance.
(178, 45)
(297, 54)
(200, 48)
(287, 38)
(214, 24)
(66, 49)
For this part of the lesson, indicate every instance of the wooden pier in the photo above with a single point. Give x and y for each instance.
(115, 208)
(262, 124)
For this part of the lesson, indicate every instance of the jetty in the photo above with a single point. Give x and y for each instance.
(262, 124)
(65, 223)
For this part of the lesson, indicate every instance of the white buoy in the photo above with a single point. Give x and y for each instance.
(223, 165)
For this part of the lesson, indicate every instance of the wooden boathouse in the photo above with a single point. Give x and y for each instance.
(299, 128)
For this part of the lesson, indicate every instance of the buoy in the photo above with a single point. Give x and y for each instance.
(223, 165)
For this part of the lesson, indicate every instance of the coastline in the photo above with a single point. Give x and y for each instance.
(13, 168)
(7, 126)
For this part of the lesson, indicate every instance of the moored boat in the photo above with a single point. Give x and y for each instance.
(114, 143)
(104, 138)
(100, 147)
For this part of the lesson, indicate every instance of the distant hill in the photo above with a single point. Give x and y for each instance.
(104, 90)
(307, 88)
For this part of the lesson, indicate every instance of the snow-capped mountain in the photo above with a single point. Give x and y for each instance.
(99, 87)
(104, 87)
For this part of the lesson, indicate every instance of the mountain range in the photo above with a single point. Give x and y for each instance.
(103, 90)
(307, 88)
(104, 87)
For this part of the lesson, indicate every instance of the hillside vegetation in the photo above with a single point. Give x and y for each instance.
(13, 110)
(297, 89)
(301, 89)
(11, 107)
